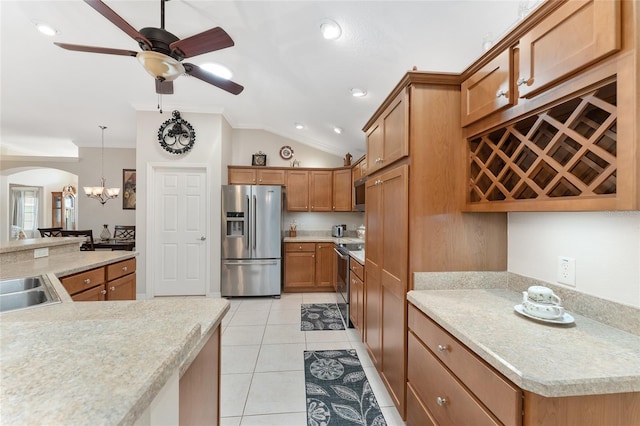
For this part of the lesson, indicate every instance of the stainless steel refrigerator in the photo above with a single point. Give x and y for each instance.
(251, 235)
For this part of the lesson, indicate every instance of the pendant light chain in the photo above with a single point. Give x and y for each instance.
(101, 193)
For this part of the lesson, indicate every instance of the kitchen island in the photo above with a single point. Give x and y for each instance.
(102, 362)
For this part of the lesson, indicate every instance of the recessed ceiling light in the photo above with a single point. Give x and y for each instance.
(299, 126)
(45, 29)
(217, 70)
(358, 93)
(338, 130)
(330, 29)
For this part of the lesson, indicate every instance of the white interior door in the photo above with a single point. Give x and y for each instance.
(179, 231)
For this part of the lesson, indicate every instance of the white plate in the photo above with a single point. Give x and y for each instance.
(564, 319)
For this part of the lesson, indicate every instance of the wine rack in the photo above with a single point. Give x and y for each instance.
(568, 150)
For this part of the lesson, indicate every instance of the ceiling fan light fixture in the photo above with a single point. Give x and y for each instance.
(330, 29)
(160, 66)
(218, 70)
(337, 130)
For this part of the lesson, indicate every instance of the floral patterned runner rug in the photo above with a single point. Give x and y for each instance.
(321, 316)
(338, 392)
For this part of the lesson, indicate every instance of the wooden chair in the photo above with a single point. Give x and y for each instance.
(88, 245)
(51, 232)
(124, 232)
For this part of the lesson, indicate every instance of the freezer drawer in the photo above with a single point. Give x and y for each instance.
(251, 277)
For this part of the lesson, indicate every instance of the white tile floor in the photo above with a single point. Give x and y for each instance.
(262, 361)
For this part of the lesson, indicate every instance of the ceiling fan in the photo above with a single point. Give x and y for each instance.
(162, 52)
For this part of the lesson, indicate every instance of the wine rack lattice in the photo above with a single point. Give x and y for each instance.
(568, 150)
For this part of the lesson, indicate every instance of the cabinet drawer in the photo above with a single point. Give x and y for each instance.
(446, 399)
(357, 269)
(83, 281)
(417, 413)
(121, 269)
(300, 247)
(500, 396)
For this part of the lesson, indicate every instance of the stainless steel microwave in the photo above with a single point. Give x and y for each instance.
(359, 193)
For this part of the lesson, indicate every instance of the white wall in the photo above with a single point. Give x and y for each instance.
(207, 151)
(606, 246)
(248, 142)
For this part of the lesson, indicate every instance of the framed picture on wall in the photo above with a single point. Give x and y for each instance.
(128, 189)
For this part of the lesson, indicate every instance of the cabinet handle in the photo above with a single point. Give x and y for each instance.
(502, 93)
(443, 348)
(112, 288)
(313, 255)
(522, 81)
(299, 247)
(103, 292)
(87, 281)
(441, 401)
(124, 268)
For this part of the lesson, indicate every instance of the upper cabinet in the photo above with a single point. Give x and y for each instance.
(574, 36)
(387, 138)
(565, 136)
(342, 189)
(309, 190)
(239, 175)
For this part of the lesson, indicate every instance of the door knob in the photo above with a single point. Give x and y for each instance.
(203, 238)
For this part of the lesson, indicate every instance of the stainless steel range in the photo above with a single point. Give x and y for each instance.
(343, 283)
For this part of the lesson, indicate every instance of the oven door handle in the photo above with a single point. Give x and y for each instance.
(342, 256)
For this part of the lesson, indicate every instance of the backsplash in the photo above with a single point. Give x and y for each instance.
(617, 315)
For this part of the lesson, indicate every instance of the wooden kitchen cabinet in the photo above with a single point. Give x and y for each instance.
(116, 281)
(575, 35)
(387, 139)
(439, 366)
(356, 295)
(309, 190)
(309, 266)
(239, 175)
(488, 89)
(442, 237)
(342, 189)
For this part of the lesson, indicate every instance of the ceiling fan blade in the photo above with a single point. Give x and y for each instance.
(117, 20)
(204, 42)
(164, 87)
(93, 49)
(207, 77)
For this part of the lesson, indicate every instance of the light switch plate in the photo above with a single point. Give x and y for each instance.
(41, 252)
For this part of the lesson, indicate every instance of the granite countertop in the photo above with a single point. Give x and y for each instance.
(94, 362)
(357, 255)
(551, 360)
(34, 243)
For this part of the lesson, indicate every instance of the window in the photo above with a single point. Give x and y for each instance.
(24, 209)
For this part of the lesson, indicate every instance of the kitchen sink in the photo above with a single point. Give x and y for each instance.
(22, 293)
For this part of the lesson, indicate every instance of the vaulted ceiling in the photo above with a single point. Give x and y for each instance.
(291, 74)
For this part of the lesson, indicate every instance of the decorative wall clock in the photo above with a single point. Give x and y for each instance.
(176, 135)
(286, 152)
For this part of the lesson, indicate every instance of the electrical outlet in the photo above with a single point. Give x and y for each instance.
(567, 271)
(41, 252)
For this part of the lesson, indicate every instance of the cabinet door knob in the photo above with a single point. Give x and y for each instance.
(112, 288)
(103, 292)
(313, 255)
(124, 268)
(522, 81)
(441, 401)
(443, 348)
(501, 93)
(299, 247)
(87, 281)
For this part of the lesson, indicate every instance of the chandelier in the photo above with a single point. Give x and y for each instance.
(101, 193)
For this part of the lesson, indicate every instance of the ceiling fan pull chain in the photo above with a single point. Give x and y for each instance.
(160, 103)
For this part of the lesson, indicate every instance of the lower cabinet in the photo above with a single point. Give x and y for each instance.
(449, 384)
(356, 296)
(116, 281)
(309, 266)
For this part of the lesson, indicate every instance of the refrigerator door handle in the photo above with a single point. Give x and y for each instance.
(248, 235)
(255, 215)
(251, 262)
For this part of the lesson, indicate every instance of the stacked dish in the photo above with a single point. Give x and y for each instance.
(541, 303)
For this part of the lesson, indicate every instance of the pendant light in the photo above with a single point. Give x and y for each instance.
(101, 193)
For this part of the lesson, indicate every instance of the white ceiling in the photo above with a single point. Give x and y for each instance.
(290, 73)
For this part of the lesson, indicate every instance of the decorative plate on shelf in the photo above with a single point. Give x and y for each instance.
(286, 152)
